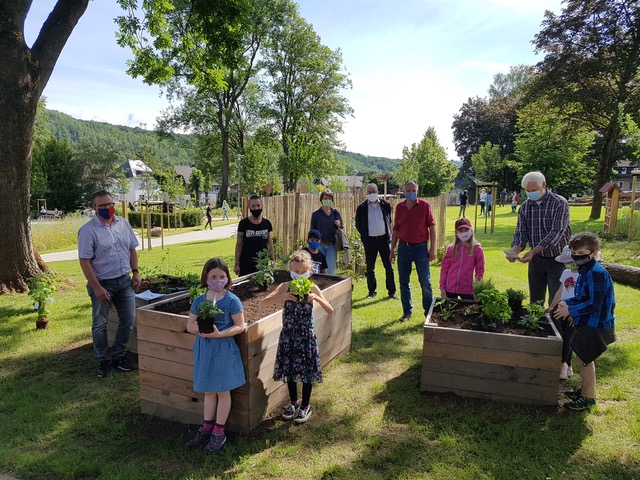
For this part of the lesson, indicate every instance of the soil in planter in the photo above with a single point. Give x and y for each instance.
(251, 294)
(467, 316)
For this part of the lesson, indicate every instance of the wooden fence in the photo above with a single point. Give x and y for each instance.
(290, 214)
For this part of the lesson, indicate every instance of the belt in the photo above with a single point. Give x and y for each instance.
(380, 236)
(409, 244)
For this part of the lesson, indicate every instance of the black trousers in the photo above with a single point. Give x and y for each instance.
(373, 247)
(544, 277)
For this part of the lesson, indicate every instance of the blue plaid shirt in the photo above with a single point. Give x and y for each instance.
(594, 300)
(544, 223)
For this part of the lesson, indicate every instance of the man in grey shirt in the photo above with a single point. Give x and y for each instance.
(107, 252)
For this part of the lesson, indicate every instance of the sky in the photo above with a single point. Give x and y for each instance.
(412, 64)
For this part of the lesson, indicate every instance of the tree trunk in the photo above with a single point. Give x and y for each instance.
(624, 274)
(24, 73)
(605, 168)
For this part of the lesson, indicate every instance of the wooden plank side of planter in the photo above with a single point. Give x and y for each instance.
(167, 337)
(165, 367)
(166, 352)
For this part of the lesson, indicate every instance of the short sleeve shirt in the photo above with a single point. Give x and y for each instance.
(256, 238)
(413, 225)
(108, 246)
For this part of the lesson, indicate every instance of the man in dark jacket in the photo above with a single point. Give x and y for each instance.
(373, 222)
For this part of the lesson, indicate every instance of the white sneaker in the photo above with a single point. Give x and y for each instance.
(564, 371)
(569, 372)
(289, 411)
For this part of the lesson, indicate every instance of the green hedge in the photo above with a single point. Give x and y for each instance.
(188, 218)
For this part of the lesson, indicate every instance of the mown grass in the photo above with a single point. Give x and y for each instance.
(370, 421)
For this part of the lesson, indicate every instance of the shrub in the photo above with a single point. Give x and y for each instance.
(190, 217)
(495, 305)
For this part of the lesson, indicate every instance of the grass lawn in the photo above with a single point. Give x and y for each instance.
(370, 420)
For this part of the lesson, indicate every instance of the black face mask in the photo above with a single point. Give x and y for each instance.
(581, 259)
(256, 213)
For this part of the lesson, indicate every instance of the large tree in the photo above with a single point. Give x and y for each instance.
(24, 73)
(305, 79)
(592, 56)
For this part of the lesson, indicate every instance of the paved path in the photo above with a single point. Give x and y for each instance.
(216, 233)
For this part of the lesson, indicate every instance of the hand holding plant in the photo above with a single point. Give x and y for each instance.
(301, 287)
(206, 311)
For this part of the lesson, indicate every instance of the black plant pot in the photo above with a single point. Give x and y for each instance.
(205, 325)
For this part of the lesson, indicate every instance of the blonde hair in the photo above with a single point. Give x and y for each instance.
(303, 257)
(471, 242)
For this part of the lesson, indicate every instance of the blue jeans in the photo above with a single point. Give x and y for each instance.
(407, 255)
(123, 299)
(331, 255)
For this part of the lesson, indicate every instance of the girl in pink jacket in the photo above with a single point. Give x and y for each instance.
(463, 257)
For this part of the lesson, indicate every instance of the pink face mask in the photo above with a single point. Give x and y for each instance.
(465, 236)
(217, 284)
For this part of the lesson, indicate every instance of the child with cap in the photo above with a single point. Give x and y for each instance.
(319, 260)
(464, 257)
(568, 281)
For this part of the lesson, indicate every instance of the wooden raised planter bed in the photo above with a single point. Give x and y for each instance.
(165, 359)
(492, 366)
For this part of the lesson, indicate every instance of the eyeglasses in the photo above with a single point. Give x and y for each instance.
(107, 205)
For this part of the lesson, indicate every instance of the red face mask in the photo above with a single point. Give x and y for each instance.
(106, 213)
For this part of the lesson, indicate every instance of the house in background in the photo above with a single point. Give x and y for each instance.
(141, 182)
(184, 172)
(624, 178)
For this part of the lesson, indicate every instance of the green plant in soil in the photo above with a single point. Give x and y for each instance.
(265, 268)
(208, 309)
(301, 287)
(482, 285)
(514, 296)
(535, 313)
(495, 305)
(447, 308)
(41, 289)
(196, 292)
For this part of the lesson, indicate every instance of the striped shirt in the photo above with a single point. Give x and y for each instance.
(544, 223)
(594, 300)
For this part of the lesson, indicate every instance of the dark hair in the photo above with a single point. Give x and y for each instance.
(584, 239)
(212, 264)
(101, 193)
(327, 192)
(255, 197)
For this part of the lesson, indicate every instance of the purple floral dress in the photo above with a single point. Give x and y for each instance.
(298, 356)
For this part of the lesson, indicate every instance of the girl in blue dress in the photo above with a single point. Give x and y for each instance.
(298, 357)
(217, 364)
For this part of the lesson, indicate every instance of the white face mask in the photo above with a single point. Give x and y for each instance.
(306, 274)
(372, 197)
(465, 236)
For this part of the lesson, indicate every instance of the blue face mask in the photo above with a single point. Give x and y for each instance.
(534, 196)
(313, 245)
(411, 196)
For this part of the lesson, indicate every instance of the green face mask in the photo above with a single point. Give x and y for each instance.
(327, 203)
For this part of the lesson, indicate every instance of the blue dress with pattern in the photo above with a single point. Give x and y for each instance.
(298, 356)
(217, 364)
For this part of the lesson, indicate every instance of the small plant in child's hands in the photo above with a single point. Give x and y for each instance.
(301, 287)
(208, 309)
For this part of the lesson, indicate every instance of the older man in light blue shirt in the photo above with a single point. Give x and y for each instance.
(107, 252)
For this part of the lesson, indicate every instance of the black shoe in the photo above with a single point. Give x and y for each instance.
(393, 296)
(404, 317)
(372, 294)
(104, 369)
(122, 365)
(200, 440)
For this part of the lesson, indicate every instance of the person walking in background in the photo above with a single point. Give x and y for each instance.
(326, 220)
(514, 202)
(488, 204)
(503, 197)
(107, 253)
(254, 235)
(464, 201)
(209, 217)
(225, 210)
(483, 200)
(463, 262)
(217, 363)
(373, 222)
(414, 234)
(543, 223)
(298, 355)
(592, 312)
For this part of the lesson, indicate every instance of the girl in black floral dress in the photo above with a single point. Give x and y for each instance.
(298, 357)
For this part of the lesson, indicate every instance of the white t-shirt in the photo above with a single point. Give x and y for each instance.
(568, 281)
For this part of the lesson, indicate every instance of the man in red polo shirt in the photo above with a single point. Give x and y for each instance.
(414, 233)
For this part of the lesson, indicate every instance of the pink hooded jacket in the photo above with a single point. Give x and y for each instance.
(456, 273)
